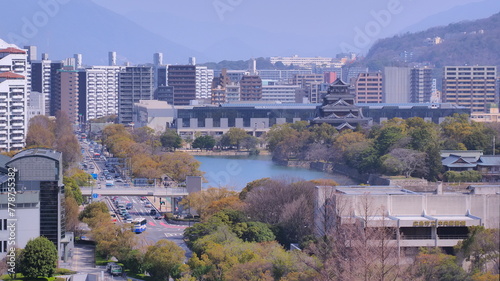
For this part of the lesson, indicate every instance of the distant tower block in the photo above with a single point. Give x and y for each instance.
(252, 66)
(78, 60)
(192, 60)
(112, 58)
(45, 56)
(158, 59)
(31, 53)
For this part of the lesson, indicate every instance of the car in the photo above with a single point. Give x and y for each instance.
(128, 220)
(158, 216)
(127, 216)
(148, 205)
(153, 212)
(143, 198)
(118, 180)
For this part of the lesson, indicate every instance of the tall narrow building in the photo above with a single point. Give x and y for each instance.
(101, 94)
(420, 85)
(204, 77)
(396, 85)
(183, 79)
(250, 88)
(13, 96)
(368, 87)
(134, 83)
(470, 86)
(44, 80)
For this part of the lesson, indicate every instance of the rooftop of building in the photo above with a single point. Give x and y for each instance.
(44, 152)
(11, 75)
(374, 190)
(12, 50)
(154, 104)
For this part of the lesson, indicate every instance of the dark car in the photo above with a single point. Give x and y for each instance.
(152, 212)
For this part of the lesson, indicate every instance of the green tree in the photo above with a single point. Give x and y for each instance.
(170, 140)
(481, 247)
(92, 209)
(39, 258)
(254, 232)
(162, 259)
(71, 189)
(204, 142)
(233, 137)
(432, 264)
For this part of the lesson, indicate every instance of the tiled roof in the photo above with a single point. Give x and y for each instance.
(10, 75)
(489, 160)
(11, 50)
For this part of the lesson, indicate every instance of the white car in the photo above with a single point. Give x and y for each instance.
(148, 205)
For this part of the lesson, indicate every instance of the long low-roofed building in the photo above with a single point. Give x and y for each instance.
(415, 219)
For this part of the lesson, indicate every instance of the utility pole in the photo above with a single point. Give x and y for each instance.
(493, 145)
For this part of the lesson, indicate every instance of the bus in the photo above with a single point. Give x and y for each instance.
(139, 225)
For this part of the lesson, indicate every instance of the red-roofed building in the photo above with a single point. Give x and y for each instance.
(11, 50)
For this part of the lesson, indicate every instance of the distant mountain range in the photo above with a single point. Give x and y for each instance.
(462, 43)
(82, 26)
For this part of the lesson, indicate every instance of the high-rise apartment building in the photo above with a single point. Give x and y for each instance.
(13, 96)
(101, 95)
(250, 88)
(183, 79)
(134, 83)
(396, 85)
(204, 77)
(368, 88)
(420, 85)
(470, 86)
(218, 88)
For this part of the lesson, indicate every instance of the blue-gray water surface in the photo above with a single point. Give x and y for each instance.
(235, 172)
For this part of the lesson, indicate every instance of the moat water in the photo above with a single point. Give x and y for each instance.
(236, 171)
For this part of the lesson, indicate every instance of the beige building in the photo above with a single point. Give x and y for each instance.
(470, 86)
(69, 93)
(368, 88)
(438, 219)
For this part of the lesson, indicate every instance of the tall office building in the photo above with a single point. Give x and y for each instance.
(204, 77)
(112, 58)
(250, 88)
(183, 79)
(134, 83)
(40, 198)
(368, 88)
(421, 85)
(470, 86)
(13, 96)
(396, 85)
(101, 94)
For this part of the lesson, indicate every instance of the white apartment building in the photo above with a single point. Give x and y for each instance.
(233, 93)
(272, 91)
(307, 61)
(13, 96)
(102, 91)
(204, 77)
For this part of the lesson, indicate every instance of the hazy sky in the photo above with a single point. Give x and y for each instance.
(214, 30)
(291, 19)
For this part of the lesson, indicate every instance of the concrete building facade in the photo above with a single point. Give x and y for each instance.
(416, 219)
(421, 88)
(101, 95)
(135, 83)
(183, 79)
(204, 77)
(272, 91)
(471, 86)
(368, 87)
(250, 88)
(396, 85)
